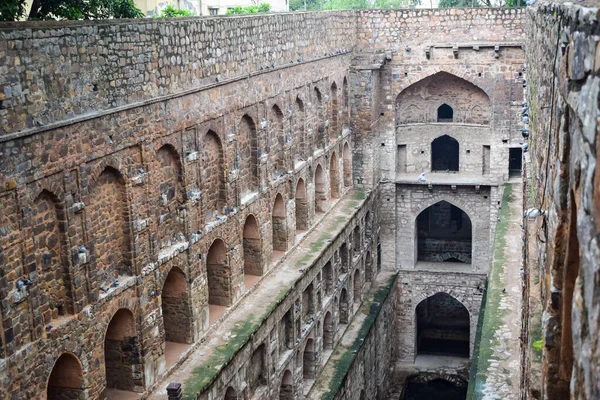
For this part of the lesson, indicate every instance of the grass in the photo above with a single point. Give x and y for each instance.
(204, 375)
(346, 355)
(492, 315)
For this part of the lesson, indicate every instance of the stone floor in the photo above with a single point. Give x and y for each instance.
(503, 374)
(265, 292)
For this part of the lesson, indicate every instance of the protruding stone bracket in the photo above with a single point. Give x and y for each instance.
(477, 188)
(78, 207)
(453, 188)
(455, 51)
(174, 391)
(430, 187)
(428, 52)
(496, 51)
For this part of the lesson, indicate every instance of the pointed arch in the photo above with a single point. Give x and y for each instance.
(321, 203)
(345, 103)
(319, 135)
(445, 152)
(219, 275)
(445, 113)
(299, 130)
(444, 234)
(48, 222)
(122, 353)
(258, 368)
(176, 308)
(347, 165)
(286, 390)
(357, 286)
(309, 365)
(344, 307)
(279, 224)
(168, 175)
(109, 219)
(442, 87)
(334, 176)
(443, 326)
(276, 143)
(66, 378)
(333, 125)
(328, 331)
(252, 245)
(301, 206)
(213, 177)
(248, 155)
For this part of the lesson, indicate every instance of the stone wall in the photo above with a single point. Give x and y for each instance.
(56, 71)
(416, 286)
(563, 83)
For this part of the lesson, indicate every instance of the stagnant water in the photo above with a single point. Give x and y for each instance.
(437, 389)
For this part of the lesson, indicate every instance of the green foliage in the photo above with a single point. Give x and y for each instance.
(459, 3)
(538, 344)
(172, 12)
(365, 4)
(306, 5)
(12, 10)
(261, 8)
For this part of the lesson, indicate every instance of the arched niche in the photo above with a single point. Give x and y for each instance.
(66, 379)
(301, 206)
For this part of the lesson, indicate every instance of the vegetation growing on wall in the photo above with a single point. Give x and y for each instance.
(261, 8)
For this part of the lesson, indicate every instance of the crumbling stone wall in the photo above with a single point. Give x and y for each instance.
(562, 92)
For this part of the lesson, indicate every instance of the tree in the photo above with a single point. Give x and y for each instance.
(13, 10)
(172, 12)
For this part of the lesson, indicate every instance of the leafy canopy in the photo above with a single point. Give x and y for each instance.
(13, 10)
(172, 12)
(261, 8)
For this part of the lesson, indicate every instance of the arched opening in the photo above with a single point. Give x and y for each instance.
(444, 154)
(301, 207)
(419, 389)
(320, 191)
(308, 303)
(334, 177)
(445, 113)
(66, 379)
(357, 239)
(346, 111)
(253, 265)
(357, 286)
(368, 225)
(344, 311)
(444, 234)
(122, 353)
(279, 225)
(177, 315)
(286, 391)
(248, 156)
(443, 326)
(333, 126)
(299, 132)
(286, 332)
(328, 332)
(230, 394)
(108, 214)
(309, 368)
(218, 275)
(347, 165)
(276, 143)
(319, 139)
(328, 277)
(213, 176)
(378, 254)
(368, 267)
(258, 368)
(48, 226)
(345, 262)
(168, 172)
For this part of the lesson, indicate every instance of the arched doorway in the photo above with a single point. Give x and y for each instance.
(444, 154)
(444, 234)
(333, 126)
(248, 155)
(357, 286)
(276, 143)
(286, 391)
(443, 326)
(279, 225)
(334, 177)
(253, 265)
(301, 207)
(347, 164)
(368, 267)
(320, 191)
(230, 394)
(213, 177)
(328, 278)
(445, 113)
(219, 280)
(66, 379)
(258, 369)
(122, 353)
(344, 261)
(299, 134)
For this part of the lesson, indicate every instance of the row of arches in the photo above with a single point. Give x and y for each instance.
(110, 226)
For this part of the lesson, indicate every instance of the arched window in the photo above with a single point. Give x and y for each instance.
(444, 154)
(445, 113)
